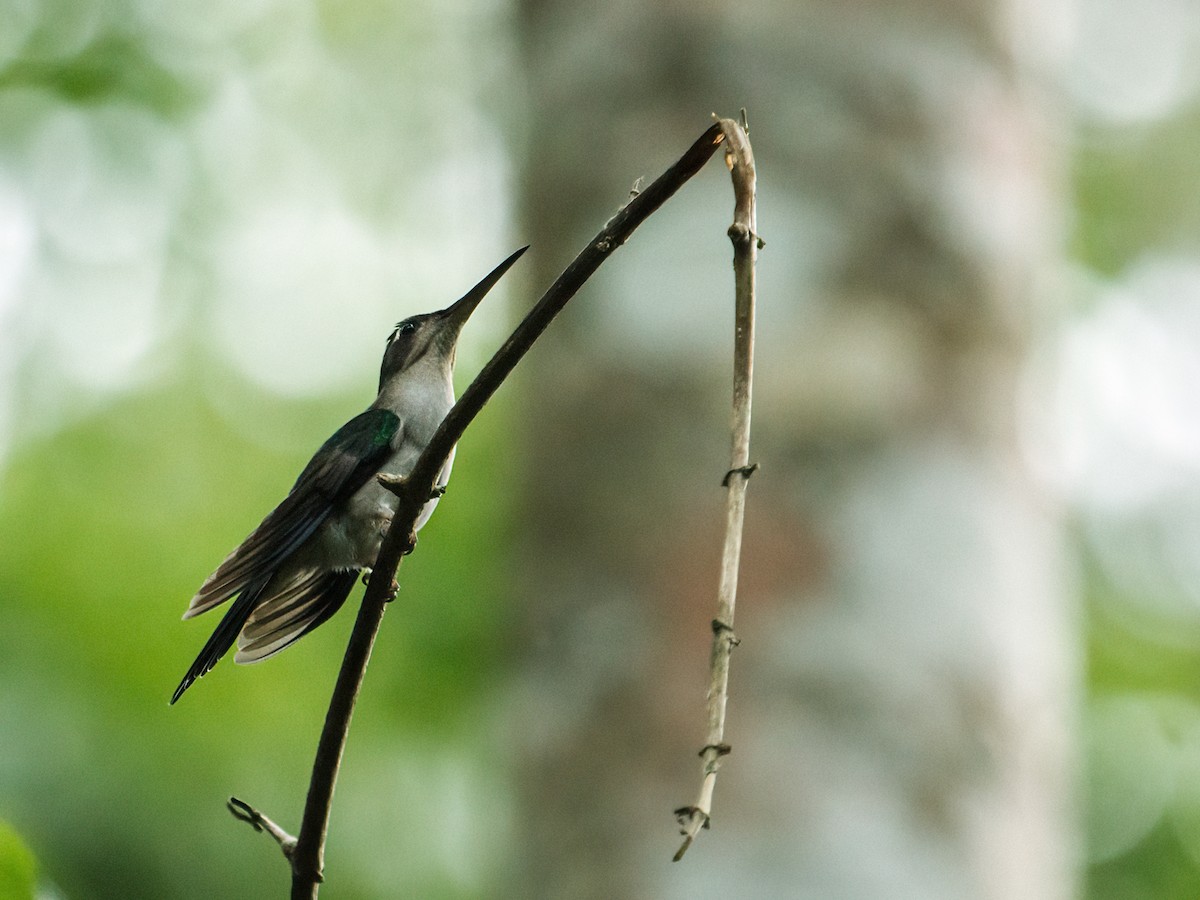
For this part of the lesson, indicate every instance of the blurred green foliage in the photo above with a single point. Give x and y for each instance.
(1142, 635)
(160, 167)
(108, 529)
(18, 869)
(1127, 200)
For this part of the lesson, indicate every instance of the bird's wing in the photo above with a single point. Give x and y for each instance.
(343, 464)
(293, 612)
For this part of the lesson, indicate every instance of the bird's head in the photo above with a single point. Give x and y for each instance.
(434, 336)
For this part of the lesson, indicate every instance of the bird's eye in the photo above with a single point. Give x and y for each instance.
(402, 328)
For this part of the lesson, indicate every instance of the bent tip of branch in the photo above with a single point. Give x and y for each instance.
(739, 159)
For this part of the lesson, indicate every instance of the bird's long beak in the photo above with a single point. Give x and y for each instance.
(458, 313)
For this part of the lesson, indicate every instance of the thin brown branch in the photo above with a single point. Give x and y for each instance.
(308, 858)
(744, 235)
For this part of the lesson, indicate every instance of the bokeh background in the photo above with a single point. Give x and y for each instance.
(970, 609)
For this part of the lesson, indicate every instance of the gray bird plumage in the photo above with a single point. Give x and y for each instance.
(297, 568)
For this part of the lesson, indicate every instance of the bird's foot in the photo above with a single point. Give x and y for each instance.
(393, 588)
(394, 483)
(398, 483)
(410, 544)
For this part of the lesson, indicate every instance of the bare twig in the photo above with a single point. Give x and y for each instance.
(244, 812)
(743, 233)
(308, 858)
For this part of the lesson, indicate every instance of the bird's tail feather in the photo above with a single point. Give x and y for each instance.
(224, 635)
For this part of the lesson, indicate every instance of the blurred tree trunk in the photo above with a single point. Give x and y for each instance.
(900, 702)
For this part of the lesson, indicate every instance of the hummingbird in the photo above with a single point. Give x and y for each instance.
(297, 567)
